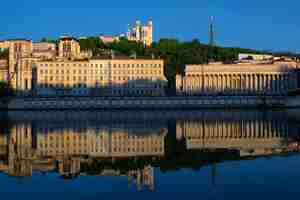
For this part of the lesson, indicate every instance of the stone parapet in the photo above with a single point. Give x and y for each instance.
(144, 103)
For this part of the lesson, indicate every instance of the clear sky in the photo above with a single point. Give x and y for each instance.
(260, 24)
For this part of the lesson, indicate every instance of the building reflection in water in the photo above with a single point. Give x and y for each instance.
(253, 137)
(132, 147)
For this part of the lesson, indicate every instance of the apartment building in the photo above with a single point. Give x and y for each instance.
(101, 77)
(68, 47)
(44, 50)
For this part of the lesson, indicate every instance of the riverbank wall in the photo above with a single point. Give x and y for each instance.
(84, 103)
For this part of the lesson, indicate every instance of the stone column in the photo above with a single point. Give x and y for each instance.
(266, 83)
(250, 83)
(270, 84)
(256, 84)
(261, 82)
(199, 84)
(225, 84)
(278, 83)
(274, 84)
(286, 82)
(215, 87)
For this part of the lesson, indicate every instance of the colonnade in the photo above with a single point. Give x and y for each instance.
(222, 130)
(238, 84)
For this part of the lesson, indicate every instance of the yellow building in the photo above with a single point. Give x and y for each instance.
(237, 79)
(140, 33)
(101, 143)
(247, 134)
(18, 49)
(68, 47)
(26, 76)
(44, 50)
(124, 144)
(103, 77)
(256, 57)
(4, 44)
(3, 70)
(109, 39)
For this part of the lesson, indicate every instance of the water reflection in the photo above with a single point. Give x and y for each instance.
(132, 144)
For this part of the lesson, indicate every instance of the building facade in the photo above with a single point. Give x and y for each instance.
(3, 70)
(257, 57)
(141, 33)
(248, 136)
(68, 47)
(18, 49)
(4, 44)
(44, 50)
(99, 143)
(101, 77)
(108, 39)
(26, 76)
(237, 79)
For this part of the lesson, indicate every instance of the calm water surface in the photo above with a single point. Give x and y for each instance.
(150, 155)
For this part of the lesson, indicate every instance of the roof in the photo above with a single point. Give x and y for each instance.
(67, 37)
(238, 68)
(121, 57)
(19, 39)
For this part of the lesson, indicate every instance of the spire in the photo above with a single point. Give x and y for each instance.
(138, 22)
(150, 21)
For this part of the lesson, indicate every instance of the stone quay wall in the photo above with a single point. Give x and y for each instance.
(84, 103)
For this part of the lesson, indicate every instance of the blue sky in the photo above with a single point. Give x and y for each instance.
(260, 24)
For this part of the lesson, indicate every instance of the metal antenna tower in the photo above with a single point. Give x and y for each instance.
(211, 38)
(211, 32)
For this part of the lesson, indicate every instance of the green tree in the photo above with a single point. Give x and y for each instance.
(49, 40)
(93, 44)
